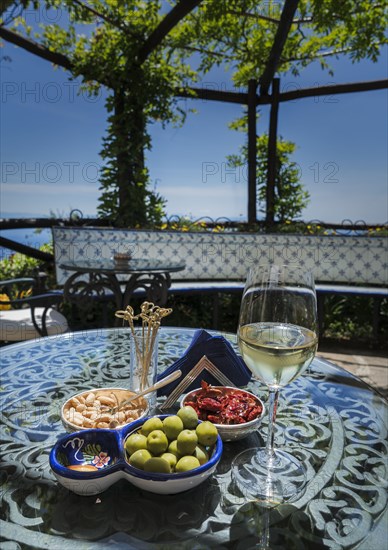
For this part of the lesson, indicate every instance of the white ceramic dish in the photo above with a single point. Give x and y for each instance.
(231, 432)
(120, 394)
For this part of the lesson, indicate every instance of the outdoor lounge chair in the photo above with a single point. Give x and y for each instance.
(25, 315)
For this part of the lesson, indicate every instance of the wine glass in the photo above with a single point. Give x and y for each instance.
(277, 337)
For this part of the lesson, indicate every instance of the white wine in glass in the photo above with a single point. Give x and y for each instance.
(277, 336)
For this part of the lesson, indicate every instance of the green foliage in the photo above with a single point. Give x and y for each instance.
(290, 196)
(187, 223)
(104, 41)
(104, 51)
(19, 265)
(240, 34)
(350, 318)
(347, 319)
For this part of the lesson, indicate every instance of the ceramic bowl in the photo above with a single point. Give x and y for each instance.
(71, 418)
(100, 460)
(170, 483)
(96, 456)
(122, 257)
(231, 432)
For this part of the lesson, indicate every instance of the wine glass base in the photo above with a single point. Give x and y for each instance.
(280, 479)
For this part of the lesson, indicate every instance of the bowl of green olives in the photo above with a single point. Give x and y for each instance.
(169, 454)
(164, 454)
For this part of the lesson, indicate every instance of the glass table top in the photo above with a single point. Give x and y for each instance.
(135, 265)
(329, 419)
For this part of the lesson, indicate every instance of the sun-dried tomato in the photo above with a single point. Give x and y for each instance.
(210, 404)
(224, 406)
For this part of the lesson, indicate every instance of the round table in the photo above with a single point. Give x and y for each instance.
(328, 418)
(91, 278)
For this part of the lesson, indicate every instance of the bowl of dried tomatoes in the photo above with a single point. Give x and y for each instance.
(236, 413)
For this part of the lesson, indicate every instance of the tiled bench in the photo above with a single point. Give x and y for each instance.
(218, 262)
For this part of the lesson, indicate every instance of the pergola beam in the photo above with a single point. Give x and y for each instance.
(286, 19)
(331, 89)
(241, 98)
(213, 95)
(173, 17)
(36, 48)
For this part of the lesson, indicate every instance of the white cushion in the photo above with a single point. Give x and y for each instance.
(16, 324)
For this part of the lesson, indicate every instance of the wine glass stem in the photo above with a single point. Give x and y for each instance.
(272, 409)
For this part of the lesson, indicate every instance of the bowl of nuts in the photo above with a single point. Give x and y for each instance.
(93, 409)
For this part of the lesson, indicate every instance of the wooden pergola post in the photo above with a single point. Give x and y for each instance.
(252, 152)
(272, 154)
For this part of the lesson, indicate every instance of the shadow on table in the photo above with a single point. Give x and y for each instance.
(125, 517)
(285, 527)
(128, 516)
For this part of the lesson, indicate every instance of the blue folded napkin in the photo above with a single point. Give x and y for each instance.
(219, 351)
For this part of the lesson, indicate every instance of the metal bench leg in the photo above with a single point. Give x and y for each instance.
(376, 317)
(216, 307)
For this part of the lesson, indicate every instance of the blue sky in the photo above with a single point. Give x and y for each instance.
(51, 138)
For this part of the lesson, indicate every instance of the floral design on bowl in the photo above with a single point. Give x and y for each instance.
(87, 462)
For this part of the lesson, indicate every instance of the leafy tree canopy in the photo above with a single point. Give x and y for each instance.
(108, 43)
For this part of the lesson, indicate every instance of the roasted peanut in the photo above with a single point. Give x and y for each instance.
(102, 425)
(88, 423)
(78, 419)
(120, 417)
(108, 401)
(105, 418)
(90, 399)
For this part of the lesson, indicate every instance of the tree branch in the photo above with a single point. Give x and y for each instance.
(286, 18)
(269, 19)
(100, 15)
(316, 56)
(254, 16)
(178, 12)
(208, 52)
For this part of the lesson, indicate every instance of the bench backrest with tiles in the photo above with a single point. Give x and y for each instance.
(216, 257)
